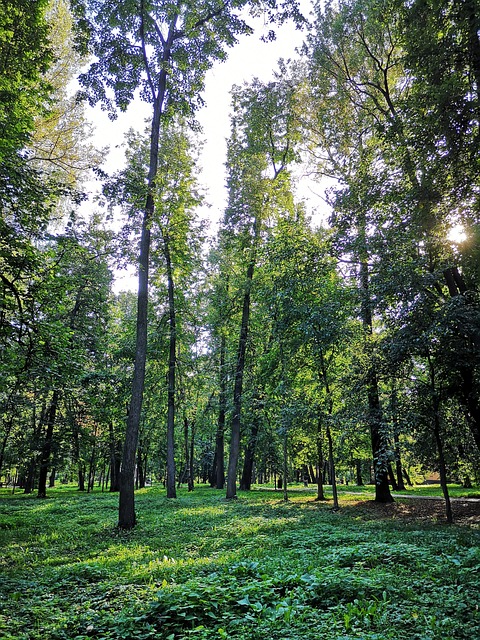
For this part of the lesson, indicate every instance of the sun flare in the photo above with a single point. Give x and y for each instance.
(457, 234)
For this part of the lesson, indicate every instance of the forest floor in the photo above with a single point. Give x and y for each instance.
(257, 568)
(466, 511)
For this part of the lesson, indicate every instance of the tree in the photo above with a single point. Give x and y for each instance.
(261, 147)
(25, 56)
(164, 51)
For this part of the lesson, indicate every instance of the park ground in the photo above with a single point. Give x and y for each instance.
(257, 568)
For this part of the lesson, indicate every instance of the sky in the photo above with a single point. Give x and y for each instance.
(248, 59)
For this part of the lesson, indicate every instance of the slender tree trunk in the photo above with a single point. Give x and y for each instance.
(378, 439)
(392, 478)
(126, 509)
(358, 473)
(438, 440)
(238, 388)
(47, 446)
(29, 480)
(246, 479)
(331, 461)
(171, 488)
(222, 410)
(285, 464)
(115, 459)
(320, 489)
(398, 463)
(93, 463)
(190, 458)
(442, 468)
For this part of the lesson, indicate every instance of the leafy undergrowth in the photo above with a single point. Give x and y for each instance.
(255, 569)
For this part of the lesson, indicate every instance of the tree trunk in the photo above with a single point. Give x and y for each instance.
(171, 488)
(320, 490)
(442, 468)
(47, 446)
(391, 477)
(398, 464)
(126, 508)
(219, 467)
(93, 463)
(378, 439)
(332, 468)
(191, 458)
(246, 480)
(358, 473)
(115, 447)
(438, 441)
(238, 389)
(8, 429)
(285, 462)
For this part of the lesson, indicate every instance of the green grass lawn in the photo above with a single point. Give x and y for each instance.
(255, 568)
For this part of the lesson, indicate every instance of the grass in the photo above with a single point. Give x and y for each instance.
(255, 568)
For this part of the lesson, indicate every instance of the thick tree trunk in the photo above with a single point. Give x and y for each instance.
(238, 388)
(47, 446)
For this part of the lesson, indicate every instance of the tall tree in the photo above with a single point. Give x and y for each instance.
(261, 147)
(164, 50)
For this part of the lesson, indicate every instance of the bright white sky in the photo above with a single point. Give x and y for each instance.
(248, 59)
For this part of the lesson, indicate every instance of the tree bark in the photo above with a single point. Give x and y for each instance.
(246, 479)
(379, 448)
(172, 357)
(115, 459)
(191, 458)
(320, 489)
(47, 445)
(438, 440)
(222, 410)
(126, 509)
(331, 462)
(238, 388)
